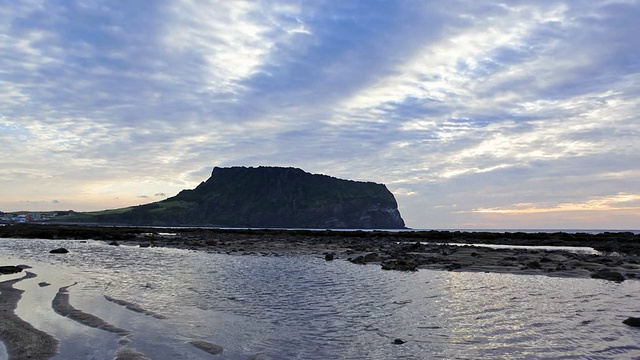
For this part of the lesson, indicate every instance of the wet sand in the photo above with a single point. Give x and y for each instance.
(126, 353)
(21, 340)
(61, 306)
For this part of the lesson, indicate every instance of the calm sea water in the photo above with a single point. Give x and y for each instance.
(305, 308)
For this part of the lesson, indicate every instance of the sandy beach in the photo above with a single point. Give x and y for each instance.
(610, 257)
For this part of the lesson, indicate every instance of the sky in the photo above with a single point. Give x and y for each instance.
(475, 114)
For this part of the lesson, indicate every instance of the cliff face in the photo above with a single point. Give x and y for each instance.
(270, 197)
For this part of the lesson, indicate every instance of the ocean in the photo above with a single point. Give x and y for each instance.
(303, 307)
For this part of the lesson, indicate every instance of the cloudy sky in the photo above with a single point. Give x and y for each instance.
(475, 114)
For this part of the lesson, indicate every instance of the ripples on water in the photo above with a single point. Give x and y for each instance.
(305, 308)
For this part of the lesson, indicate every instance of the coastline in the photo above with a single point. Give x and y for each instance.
(395, 252)
(410, 251)
(617, 258)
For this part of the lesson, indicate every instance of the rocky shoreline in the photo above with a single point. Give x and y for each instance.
(609, 257)
(618, 256)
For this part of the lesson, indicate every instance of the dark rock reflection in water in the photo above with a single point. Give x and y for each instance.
(306, 308)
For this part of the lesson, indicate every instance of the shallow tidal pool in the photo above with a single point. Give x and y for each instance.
(302, 307)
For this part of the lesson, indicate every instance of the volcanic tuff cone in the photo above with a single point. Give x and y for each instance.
(267, 197)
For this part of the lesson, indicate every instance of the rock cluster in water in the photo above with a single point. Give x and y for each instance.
(632, 321)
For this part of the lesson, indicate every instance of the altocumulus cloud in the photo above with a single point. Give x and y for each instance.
(475, 114)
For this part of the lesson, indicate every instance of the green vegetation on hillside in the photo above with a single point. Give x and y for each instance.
(266, 197)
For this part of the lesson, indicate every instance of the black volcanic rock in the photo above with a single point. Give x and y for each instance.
(9, 269)
(270, 197)
(632, 321)
(607, 274)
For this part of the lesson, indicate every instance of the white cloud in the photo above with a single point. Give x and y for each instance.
(620, 201)
(232, 38)
(435, 72)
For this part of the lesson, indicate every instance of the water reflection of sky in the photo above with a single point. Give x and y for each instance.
(515, 316)
(3, 352)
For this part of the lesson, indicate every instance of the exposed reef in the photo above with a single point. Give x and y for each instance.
(618, 258)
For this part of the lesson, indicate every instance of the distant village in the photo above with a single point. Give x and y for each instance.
(30, 216)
